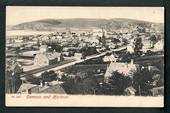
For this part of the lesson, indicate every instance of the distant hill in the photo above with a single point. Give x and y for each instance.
(52, 24)
(39, 25)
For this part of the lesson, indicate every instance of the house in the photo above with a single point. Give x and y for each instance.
(112, 46)
(91, 40)
(111, 58)
(157, 91)
(29, 53)
(159, 46)
(125, 68)
(56, 89)
(129, 91)
(53, 87)
(43, 58)
(100, 48)
(78, 56)
(147, 44)
(27, 88)
(54, 57)
(59, 37)
(66, 54)
(97, 32)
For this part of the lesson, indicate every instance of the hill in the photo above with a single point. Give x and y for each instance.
(52, 24)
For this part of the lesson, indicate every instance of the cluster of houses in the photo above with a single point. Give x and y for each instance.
(147, 44)
(71, 44)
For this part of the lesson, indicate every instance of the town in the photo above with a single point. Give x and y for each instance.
(94, 61)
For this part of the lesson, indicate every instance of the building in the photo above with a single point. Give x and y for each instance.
(27, 88)
(97, 32)
(43, 58)
(147, 45)
(78, 56)
(159, 46)
(110, 58)
(92, 40)
(157, 91)
(154, 46)
(29, 53)
(51, 87)
(125, 68)
(129, 91)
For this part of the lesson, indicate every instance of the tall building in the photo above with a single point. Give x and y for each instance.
(103, 38)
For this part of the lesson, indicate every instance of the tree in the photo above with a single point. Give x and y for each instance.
(116, 41)
(125, 41)
(48, 76)
(87, 86)
(153, 40)
(81, 85)
(8, 82)
(88, 50)
(142, 81)
(12, 79)
(68, 85)
(138, 46)
(119, 82)
(54, 46)
(44, 76)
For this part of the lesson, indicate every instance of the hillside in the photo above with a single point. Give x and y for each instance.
(52, 24)
(37, 25)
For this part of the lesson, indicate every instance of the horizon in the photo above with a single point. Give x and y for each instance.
(87, 19)
(21, 14)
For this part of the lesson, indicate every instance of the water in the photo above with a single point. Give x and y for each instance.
(26, 32)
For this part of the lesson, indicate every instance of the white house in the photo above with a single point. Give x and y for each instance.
(159, 46)
(78, 56)
(111, 58)
(43, 58)
(126, 68)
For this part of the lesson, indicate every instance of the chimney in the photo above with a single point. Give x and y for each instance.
(131, 61)
(46, 84)
(149, 68)
(41, 83)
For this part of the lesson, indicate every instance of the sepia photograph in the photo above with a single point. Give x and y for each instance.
(84, 56)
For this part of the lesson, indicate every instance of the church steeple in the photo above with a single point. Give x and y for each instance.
(103, 38)
(103, 33)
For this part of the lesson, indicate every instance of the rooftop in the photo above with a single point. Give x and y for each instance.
(53, 55)
(125, 68)
(54, 87)
(25, 86)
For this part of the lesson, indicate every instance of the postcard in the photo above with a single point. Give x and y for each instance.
(84, 56)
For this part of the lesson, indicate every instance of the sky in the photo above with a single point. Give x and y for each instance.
(19, 14)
